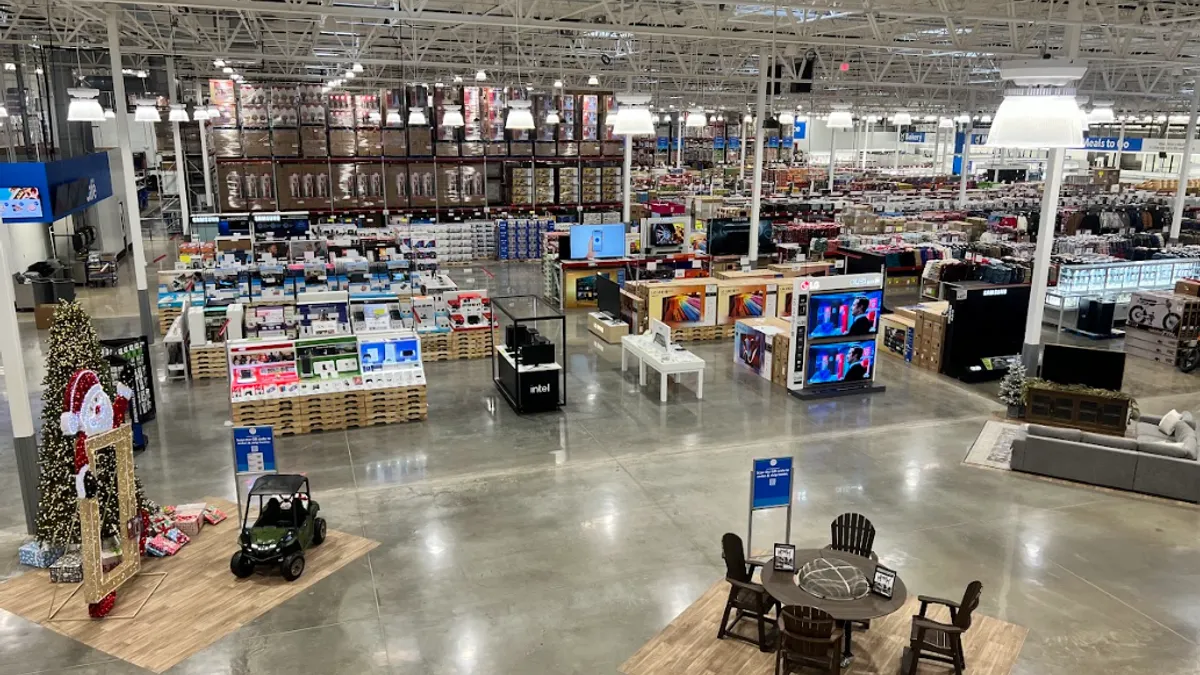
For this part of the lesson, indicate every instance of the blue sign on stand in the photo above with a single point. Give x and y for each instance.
(254, 449)
(772, 486)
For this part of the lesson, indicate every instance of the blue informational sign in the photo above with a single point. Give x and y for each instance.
(719, 143)
(662, 143)
(785, 141)
(979, 139)
(800, 131)
(772, 141)
(772, 485)
(735, 143)
(1109, 143)
(20, 202)
(913, 137)
(254, 449)
(62, 187)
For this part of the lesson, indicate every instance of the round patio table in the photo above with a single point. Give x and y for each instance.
(783, 587)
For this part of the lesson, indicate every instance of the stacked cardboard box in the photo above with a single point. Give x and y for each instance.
(1188, 287)
(1160, 323)
(929, 334)
(897, 336)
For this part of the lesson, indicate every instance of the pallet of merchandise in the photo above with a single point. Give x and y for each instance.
(209, 362)
(166, 317)
(695, 334)
(471, 344)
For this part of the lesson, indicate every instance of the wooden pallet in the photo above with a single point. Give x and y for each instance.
(166, 317)
(335, 411)
(464, 344)
(208, 362)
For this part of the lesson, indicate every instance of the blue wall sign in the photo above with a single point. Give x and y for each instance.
(62, 188)
(979, 139)
(772, 485)
(254, 449)
(1110, 144)
(772, 141)
(800, 131)
(719, 143)
(913, 137)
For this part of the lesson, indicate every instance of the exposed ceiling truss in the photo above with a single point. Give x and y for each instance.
(1143, 55)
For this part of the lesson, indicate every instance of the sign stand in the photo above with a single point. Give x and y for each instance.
(253, 455)
(770, 488)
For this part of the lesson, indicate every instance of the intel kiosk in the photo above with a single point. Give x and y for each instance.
(529, 358)
(835, 323)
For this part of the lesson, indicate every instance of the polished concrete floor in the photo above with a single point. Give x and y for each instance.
(560, 543)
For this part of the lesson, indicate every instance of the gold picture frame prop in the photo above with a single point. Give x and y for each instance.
(98, 583)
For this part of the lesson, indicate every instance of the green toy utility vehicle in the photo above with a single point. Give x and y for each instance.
(286, 526)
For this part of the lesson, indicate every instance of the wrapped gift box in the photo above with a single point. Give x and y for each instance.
(109, 559)
(177, 536)
(160, 546)
(37, 554)
(213, 515)
(68, 569)
(190, 518)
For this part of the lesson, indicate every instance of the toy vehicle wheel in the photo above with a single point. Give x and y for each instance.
(241, 566)
(1171, 322)
(318, 531)
(1137, 314)
(292, 566)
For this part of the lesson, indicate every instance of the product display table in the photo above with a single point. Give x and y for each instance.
(665, 361)
(783, 587)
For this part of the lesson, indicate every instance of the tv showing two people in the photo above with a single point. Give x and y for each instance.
(836, 362)
(589, 242)
(844, 314)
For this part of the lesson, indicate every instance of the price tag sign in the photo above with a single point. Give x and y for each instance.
(696, 264)
(679, 274)
(651, 266)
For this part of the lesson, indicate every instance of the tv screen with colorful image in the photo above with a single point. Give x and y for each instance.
(589, 242)
(751, 345)
(845, 314)
(685, 308)
(666, 234)
(838, 362)
(747, 305)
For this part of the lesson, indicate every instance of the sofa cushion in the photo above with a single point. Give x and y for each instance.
(1189, 419)
(1151, 431)
(1167, 424)
(1154, 446)
(1109, 441)
(1054, 432)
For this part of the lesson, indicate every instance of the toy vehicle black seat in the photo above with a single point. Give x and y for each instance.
(271, 514)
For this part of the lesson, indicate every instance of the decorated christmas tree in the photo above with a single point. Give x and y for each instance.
(1012, 387)
(73, 346)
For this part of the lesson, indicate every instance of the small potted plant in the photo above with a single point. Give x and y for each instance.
(1012, 390)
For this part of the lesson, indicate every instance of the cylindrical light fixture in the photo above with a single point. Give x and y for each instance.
(902, 119)
(840, 119)
(786, 118)
(146, 111)
(199, 113)
(593, 81)
(1042, 111)
(452, 116)
(416, 117)
(945, 123)
(356, 68)
(520, 117)
(696, 119)
(84, 106)
(393, 118)
(480, 75)
(552, 117)
(177, 113)
(633, 116)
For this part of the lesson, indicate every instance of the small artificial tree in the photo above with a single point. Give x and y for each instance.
(1012, 387)
(73, 346)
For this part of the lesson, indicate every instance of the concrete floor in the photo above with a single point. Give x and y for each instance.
(560, 543)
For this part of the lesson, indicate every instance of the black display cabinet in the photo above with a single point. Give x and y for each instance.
(986, 329)
(136, 372)
(529, 364)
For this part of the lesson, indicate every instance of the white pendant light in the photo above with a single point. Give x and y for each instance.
(720, 118)
(986, 119)
(356, 68)
(453, 117)
(520, 117)
(480, 76)
(416, 117)
(1102, 113)
(902, 119)
(1042, 113)
(633, 116)
(558, 84)
(228, 70)
(350, 75)
(177, 114)
(945, 123)
(3, 112)
(963, 118)
(199, 113)
(146, 111)
(696, 119)
(373, 117)
(840, 119)
(109, 114)
(393, 118)
(84, 106)
(552, 117)
(593, 81)
(748, 118)
(219, 63)
(929, 118)
(786, 118)
(214, 113)
(458, 79)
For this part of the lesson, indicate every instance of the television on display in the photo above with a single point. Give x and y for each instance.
(747, 305)
(840, 362)
(608, 296)
(844, 314)
(386, 353)
(1100, 368)
(731, 236)
(683, 308)
(597, 241)
(666, 234)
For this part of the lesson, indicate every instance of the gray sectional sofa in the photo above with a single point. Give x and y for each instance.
(1144, 460)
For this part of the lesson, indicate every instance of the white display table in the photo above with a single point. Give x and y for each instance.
(665, 361)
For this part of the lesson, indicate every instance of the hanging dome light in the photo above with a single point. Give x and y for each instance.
(696, 119)
(350, 75)
(720, 117)
(452, 116)
(593, 81)
(1102, 113)
(480, 76)
(177, 113)
(558, 84)
(786, 118)
(1042, 112)
(963, 118)
(3, 112)
(373, 117)
(146, 111)
(840, 119)
(552, 117)
(519, 117)
(393, 118)
(219, 63)
(109, 114)
(902, 119)
(84, 106)
(929, 118)
(228, 70)
(213, 112)
(199, 113)
(748, 118)
(458, 79)
(633, 116)
(416, 117)
(945, 123)
(356, 68)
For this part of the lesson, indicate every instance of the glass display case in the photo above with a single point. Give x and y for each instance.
(1116, 280)
(529, 357)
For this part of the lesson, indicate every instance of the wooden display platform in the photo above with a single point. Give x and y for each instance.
(209, 362)
(167, 316)
(459, 344)
(689, 644)
(703, 333)
(180, 605)
(340, 410)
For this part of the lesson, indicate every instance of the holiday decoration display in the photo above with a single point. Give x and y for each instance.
(72, 347)
(1012, 389)
(67, 569)
(213, 515)
(37, 554)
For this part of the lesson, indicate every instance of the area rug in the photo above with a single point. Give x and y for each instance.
(689, 644)
(191, 598)
(993, 447)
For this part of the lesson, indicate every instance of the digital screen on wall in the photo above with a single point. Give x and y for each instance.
(20, 202)
(838, 362)
(844, 314)
(597, 241)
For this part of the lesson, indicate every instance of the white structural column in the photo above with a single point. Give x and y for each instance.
(679, 140)
(896, 156)
(764, 64)
(866, 142)
(208, 195)
(937, 149)
(832, 153)
(1185, 167)
(132, 209)
(1032, 349)
(185, 212)
(962, 179)
(17, 387)
(742, 153)
(1120, 146)
(627, 173)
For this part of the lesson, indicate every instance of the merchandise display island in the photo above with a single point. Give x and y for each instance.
(529, 366)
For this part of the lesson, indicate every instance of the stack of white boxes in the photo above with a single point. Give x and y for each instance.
(483, 239)
(452, 241)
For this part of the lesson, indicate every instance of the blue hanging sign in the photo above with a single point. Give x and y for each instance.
(662, 142)
(772, 486)
(719, 143)
(772, 141)
(254, 449)
(913, 137)
(800, 130)
(1109, 143)
(735, 143)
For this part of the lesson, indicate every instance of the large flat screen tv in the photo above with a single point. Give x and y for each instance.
(731, 236)
(597, 241)
(608, 296)
(844, 314)
(840, 362)
(1098, 368)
